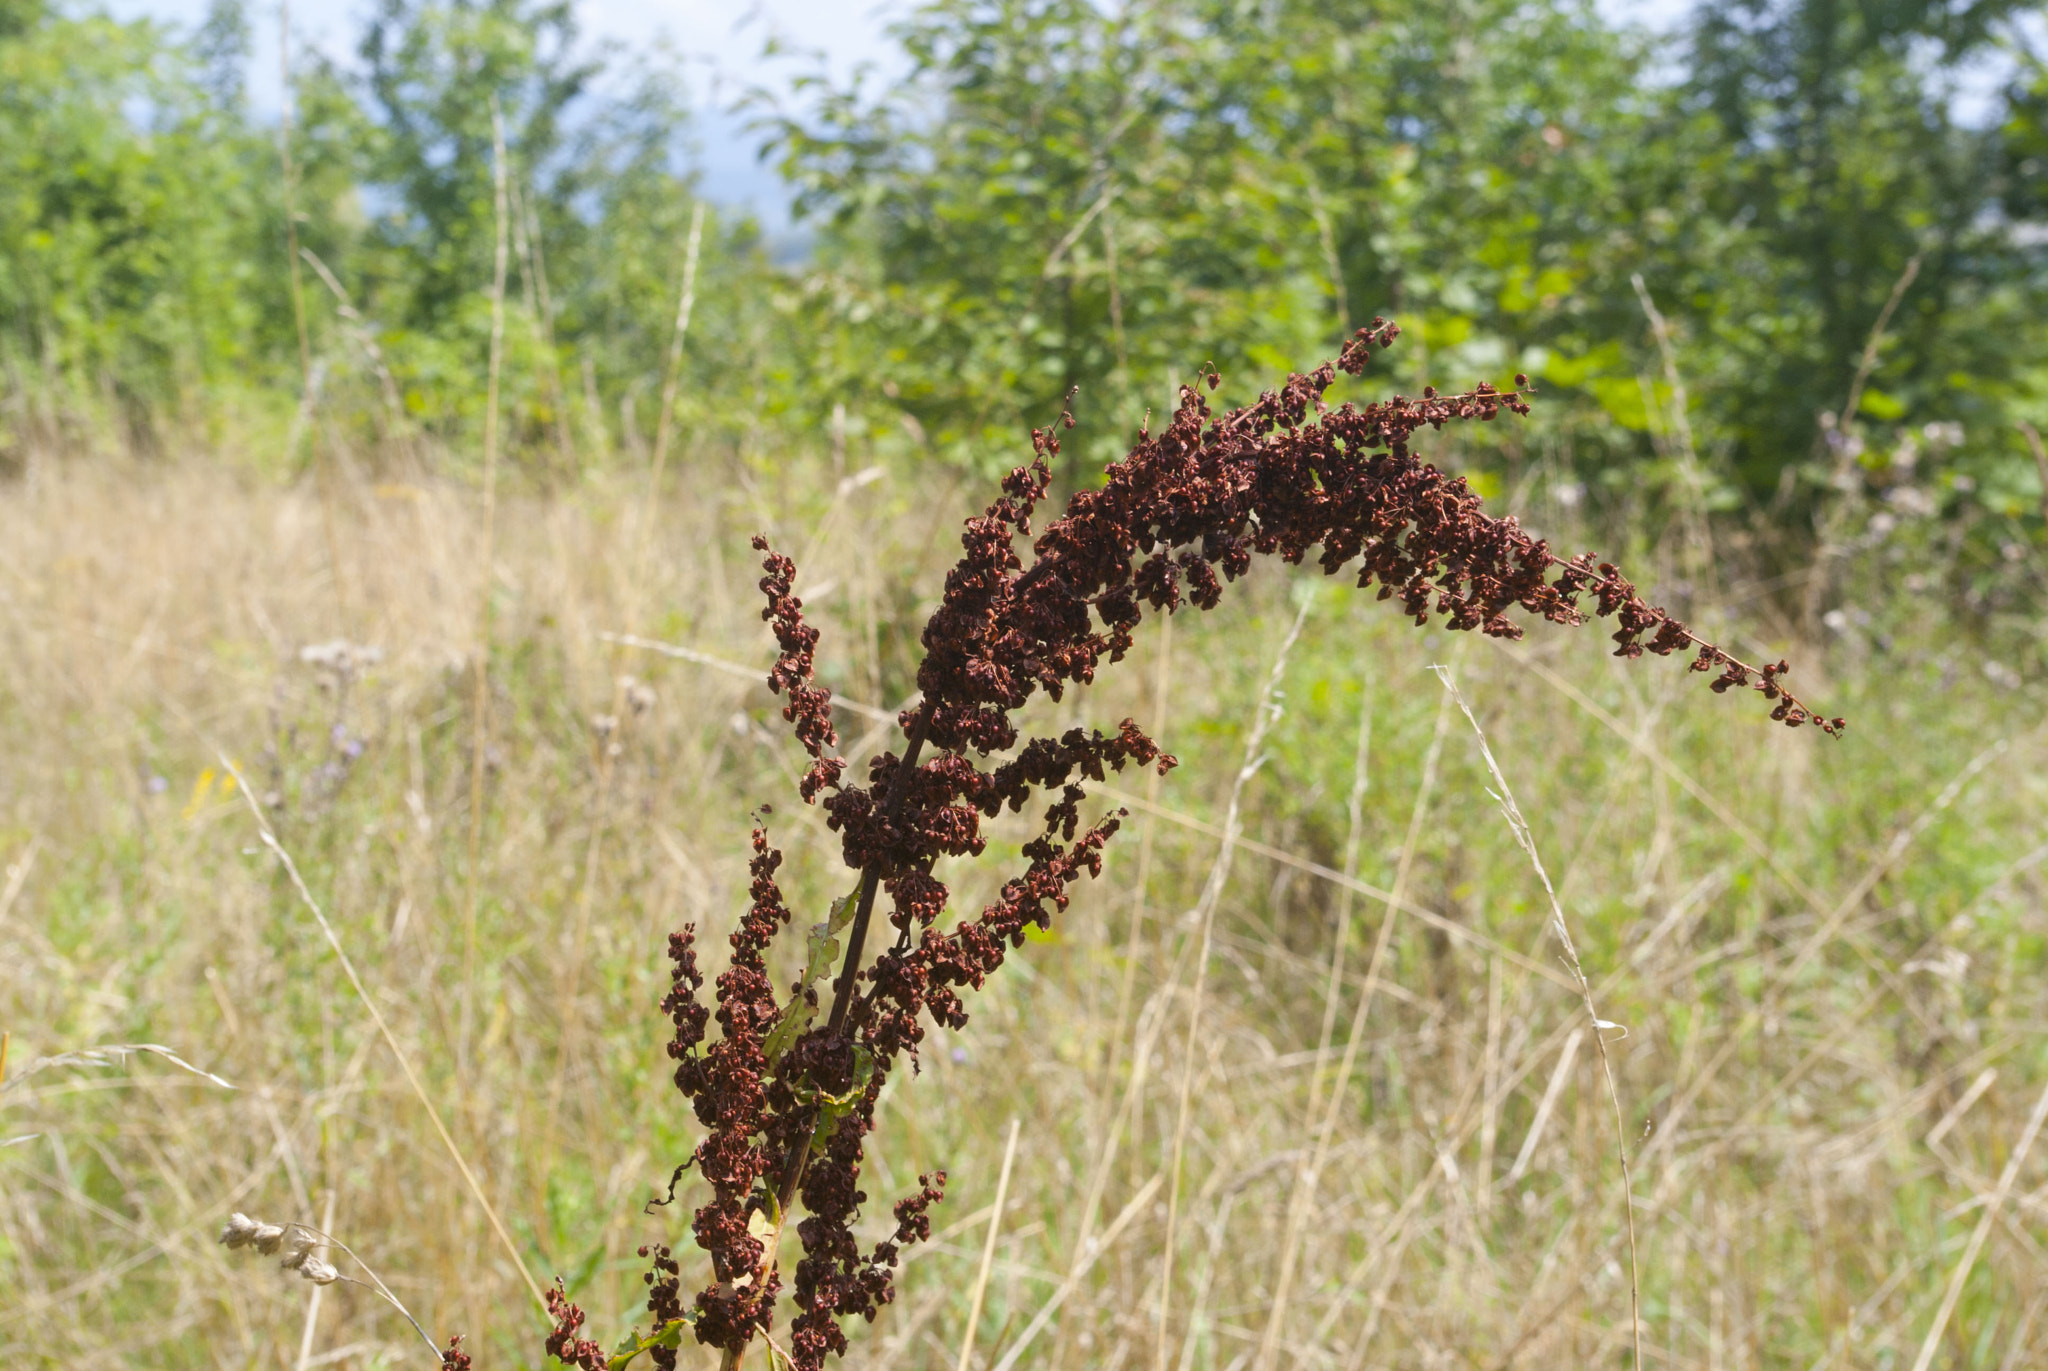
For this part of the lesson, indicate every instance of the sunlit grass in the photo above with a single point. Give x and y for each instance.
(1817, 949)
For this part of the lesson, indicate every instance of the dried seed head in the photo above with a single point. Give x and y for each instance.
(319, 1272)
(788, 1091)
(341, 657)
(241, 1230)
(267, 1238)
(298, 1250)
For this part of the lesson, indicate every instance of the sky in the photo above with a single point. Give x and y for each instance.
(721, 43)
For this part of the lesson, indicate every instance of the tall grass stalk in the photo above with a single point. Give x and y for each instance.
(1692, 512)
(1841, 476)
(672, 372)
(540, 314)
(1993, 1203)
(313, 1298)
(988, 1250)
(412, 1078)
(309, 379)
(1201, 922)
(1526, 840)
(1141, 883)
(1300, 1201)
(480, 703)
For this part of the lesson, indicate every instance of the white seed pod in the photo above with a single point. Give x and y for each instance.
(299, 1251)
(267, 1238)
(319, 1272)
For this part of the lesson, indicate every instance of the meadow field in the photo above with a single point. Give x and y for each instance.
(391, 396)
(1818, 958)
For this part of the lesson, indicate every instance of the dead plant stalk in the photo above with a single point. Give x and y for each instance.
(1524, 839)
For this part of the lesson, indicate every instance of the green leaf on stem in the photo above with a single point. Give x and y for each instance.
(821, 954)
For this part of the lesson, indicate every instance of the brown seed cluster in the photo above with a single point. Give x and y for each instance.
(787, 1095)
(563, 1344)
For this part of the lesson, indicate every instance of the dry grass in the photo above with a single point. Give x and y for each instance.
(1827, 956)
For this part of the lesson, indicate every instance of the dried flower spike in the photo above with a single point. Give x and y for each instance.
(788, 1090)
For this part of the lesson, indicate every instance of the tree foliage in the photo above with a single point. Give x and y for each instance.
(1061, 193)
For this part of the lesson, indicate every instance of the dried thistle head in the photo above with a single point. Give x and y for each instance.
(639, 695)
(340, 659)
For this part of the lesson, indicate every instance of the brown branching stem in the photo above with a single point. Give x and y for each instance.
(794, 1164)
(856, 937)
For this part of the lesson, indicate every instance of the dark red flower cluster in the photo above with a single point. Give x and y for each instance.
(664, 1280)
(810, 706)
(563, 1344)
(788, 1099)
(729, 1085)
(455, 1359)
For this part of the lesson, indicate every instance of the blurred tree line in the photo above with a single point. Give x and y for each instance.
(1687, 240)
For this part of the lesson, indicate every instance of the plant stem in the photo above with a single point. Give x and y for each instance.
(849, 969)
(480, 705)
(988, 1251)
(348, 966)
(794, 1165)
